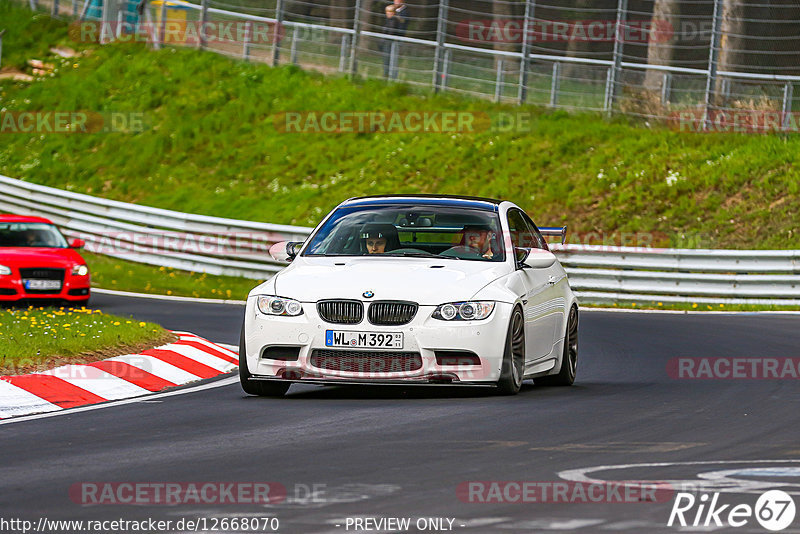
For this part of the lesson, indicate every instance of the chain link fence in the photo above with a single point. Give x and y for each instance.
(700, 64)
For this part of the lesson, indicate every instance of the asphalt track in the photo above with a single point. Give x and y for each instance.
(403, 452)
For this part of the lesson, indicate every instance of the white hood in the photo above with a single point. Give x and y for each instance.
(422, 280)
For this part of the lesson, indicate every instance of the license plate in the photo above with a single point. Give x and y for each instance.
(383, 340)
(43, 284)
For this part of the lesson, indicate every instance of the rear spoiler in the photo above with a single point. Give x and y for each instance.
(555, 231)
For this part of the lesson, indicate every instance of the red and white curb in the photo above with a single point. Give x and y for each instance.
(189, 359)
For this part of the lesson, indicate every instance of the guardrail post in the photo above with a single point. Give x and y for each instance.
(613, 79)
(524, 62)
(441, 31)
(666, 88)
(498, 81)
(293, 48)
(202, 42)
(353, 67)
(248, 29)
(555, 84)
(343, 52)
(713, 60)
(788, 91)
(276, 50)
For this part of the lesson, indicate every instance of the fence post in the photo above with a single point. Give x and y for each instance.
(666, 88)
(32, 4)
(498, 81)
(162, 24)
(555, 84)
(54, 12)
(276, 50)
(248, 30)
(441, 33)
(713, 58)
(446, 68)
(202, 41)
(343, 52)
(524, 63)
(74, 7)
(1, 46)
(393, 60)
(787, 105)
(353, 67)
(614, 73)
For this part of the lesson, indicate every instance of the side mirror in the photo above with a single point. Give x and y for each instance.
(77, 243)
(285, 250)
(534, 258)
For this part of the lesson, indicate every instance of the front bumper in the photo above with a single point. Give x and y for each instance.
(73, 289)
(424, 336)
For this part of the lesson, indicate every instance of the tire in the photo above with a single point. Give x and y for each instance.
(569, 361)
(262, 389)
(514, 356)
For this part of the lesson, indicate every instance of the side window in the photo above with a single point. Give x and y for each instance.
(538, 238)
(521, 233)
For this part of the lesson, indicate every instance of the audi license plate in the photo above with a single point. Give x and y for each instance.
(383, 340)
(43, 284)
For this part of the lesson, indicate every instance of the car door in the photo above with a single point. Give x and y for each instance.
(558, 284)
(538, 305)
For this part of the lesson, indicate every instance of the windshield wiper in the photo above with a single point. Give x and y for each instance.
(419, 255)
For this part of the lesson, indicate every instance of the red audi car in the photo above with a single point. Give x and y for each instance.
(37, 263)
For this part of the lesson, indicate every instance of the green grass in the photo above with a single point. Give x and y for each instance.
(112, 273)
(211, 148)
(38, 338)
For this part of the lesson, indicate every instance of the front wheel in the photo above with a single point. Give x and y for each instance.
(252, 387)
(514, 356)
(569, 360)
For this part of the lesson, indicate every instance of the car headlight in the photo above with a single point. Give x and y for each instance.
(80, 270)
(271, 305)
(5, 270)
(463, 311)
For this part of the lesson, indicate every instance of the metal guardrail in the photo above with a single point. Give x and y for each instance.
(152, 235)
(598, 274)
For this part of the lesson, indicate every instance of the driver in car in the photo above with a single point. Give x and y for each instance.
(477, 238)
(378, 238)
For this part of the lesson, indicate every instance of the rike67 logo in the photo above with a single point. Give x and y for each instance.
(774, 510)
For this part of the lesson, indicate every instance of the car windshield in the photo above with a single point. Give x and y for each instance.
(34, 235)
(409, 230)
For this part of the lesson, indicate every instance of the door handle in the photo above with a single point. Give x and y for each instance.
(551, 280)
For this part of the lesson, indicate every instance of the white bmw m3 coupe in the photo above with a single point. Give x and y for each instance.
(413, 290)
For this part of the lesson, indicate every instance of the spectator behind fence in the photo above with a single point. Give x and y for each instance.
(394, 25)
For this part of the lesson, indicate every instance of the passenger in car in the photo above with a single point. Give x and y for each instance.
(378, 238)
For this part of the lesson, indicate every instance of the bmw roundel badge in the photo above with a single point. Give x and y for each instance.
(368, 294)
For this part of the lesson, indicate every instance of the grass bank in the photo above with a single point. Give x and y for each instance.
(35, 339)
(112, 273)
